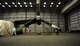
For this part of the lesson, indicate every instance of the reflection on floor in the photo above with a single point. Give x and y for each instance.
(63, 39)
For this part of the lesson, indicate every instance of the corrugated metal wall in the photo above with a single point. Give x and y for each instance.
(48, 15)
(61, 22)
(74, 21)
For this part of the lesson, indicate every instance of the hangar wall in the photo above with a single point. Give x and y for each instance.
(74, 20)
(49, 15)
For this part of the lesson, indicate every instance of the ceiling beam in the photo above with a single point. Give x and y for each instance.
(69, 6)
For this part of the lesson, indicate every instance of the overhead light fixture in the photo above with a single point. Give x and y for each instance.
(44, 5)
(30, 2)
(9, 5)
(26, 6)
(31, 5)
(6, 3)
(13, 3)
(44, 2)
(19, 3)
(59, 3)
(24, 2)
(0, 3)
(52, 3)
(3, 6)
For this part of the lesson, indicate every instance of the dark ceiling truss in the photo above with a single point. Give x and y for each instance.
(16, 3)
(47, 5)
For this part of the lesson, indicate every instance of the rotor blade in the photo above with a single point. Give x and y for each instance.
(20, 22)
(26, 24)
(50, 24)
(46, 22)
(30, 22)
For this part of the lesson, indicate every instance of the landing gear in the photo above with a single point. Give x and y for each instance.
(57, 33)
(58, 30)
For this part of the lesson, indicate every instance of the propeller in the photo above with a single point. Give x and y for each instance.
(38, 19)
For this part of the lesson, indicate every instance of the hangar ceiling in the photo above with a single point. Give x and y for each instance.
(56, 4)
(31, 3)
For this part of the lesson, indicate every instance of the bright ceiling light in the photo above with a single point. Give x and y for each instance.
(44, 5)
(24, 2)
(19, 3)
(44, 2)
(9, 5)
(31, 5)
(59, 3)
(30, 2)
(0, 3)
(13, 3)
(52, 3)
(26, 6)
(3, 6)
(6, 3)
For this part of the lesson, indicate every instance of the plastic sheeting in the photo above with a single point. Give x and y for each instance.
(6, 27)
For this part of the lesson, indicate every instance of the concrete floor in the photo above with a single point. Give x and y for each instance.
(63, 39)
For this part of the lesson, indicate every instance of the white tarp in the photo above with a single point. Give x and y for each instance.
(6, 27)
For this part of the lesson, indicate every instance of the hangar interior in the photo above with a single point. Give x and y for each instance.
(40, 16)
(63, 13)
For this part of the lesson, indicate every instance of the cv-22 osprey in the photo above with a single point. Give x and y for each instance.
(36, 20)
